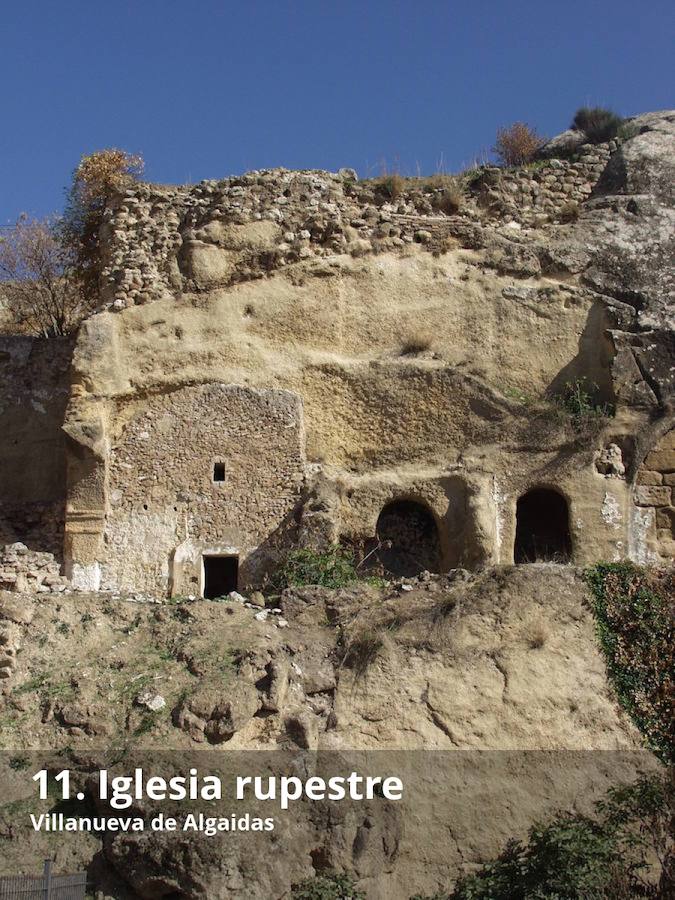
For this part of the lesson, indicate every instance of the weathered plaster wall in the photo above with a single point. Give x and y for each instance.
(161, 493)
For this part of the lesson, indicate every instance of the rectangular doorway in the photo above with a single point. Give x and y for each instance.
(221, 575)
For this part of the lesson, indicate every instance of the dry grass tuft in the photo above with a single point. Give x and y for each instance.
(569, 212)
(450, 198)
(536, 634)
(362, 650)
(416, 342)
(391, 186)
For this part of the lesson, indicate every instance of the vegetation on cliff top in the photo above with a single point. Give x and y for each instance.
(597, 123)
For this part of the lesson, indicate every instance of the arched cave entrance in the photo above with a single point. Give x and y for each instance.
(408, 538)
(542, 527)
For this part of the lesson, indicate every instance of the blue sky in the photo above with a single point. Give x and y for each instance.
(209, 88)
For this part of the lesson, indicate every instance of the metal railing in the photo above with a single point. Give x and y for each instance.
(44, 887)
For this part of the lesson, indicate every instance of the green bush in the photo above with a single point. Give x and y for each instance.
(578, 398)
(566, 860)
(635, 613)
(334, 568)
(598, 124)
(327, 887)
(575, 857)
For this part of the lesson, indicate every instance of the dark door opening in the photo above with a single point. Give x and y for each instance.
(221, 574)
(542, 528)
(408, 538)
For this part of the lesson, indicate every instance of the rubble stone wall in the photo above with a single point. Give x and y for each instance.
(24, 570)
(161, 240)
(535, 193)
(166, 509)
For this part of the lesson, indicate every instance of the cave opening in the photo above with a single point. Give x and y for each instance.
(542, 527)
(221, 575)
(408, 541)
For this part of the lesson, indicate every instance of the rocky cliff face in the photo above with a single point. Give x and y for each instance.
(388, 311)
(163, 241)
(485, 694)
(395, 348)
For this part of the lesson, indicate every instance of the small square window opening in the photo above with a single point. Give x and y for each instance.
(219, 471)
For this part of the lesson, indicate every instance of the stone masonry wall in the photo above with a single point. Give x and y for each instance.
(535, 193)
(152, 232)
(655, 492)
(24, 570)
(162, 497)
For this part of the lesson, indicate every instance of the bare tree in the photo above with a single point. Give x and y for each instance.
(35, 281)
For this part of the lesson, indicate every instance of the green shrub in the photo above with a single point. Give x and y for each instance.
(598, 124)
(334, 568)
(579, 858)
(627, 130)
(327, 887)
(579, 399)
(635, 612)
(570, 858)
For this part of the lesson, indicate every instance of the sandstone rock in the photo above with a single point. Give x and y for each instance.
(317, 672)
(303, 728)
(563, 145)
(19, 611)
(150, 700)
(214, 715)
(652, 495)
(654, 478)
(610, 462)
(208, 265)
(81, 718)
(278, 672)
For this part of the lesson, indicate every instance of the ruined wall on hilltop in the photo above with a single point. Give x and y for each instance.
(160, 240)
(539, 192)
